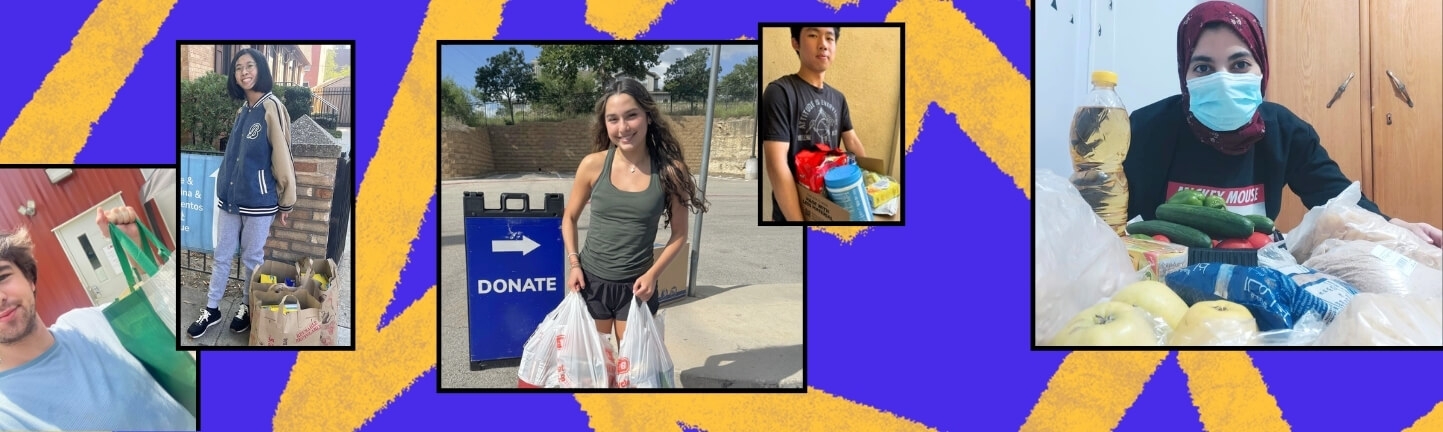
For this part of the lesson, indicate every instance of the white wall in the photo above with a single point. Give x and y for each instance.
(1067, 53)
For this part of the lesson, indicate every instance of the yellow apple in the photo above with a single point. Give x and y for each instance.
(1217, 322)
(1156, 298)
(1109, 324)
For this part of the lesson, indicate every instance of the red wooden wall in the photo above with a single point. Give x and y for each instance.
(58, 288)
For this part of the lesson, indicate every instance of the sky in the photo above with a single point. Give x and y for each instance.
(459, 62)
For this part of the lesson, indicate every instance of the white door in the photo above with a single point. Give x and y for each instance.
(92, 254)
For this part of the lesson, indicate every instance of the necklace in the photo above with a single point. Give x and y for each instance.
(633, 169)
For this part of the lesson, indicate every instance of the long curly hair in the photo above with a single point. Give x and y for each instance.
(661, 144)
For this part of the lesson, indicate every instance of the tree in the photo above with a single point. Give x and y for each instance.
(506, 79)
(337, 65)
(454, 102)
(575, 74)
(741, 83)
(688, 78)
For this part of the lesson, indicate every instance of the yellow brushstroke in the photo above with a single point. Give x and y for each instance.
(1431, 422)
(844, 233)
(743, 37)
(815, 410)
(54, 125)
(338, 390)
(1092, 390)
(398, 185)
(990, 98)
(1229, 392)
(624, 19)
(837, 4)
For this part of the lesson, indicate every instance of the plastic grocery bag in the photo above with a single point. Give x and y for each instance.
(644, 361)
(1080, 259)
(1373, 319)
(1343, 219)
(579, 355)
(1277, 298)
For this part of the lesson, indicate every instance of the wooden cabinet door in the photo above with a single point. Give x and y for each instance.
(1313, 45)
(1407, 39)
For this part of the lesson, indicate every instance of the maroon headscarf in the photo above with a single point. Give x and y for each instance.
(1246, 25)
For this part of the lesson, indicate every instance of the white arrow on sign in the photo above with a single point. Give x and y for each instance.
(525, 245)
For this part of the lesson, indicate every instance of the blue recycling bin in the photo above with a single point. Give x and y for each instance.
(515, 272)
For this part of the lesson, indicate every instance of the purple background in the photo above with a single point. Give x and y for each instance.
(939, 332)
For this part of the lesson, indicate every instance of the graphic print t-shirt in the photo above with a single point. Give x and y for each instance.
(795, 112)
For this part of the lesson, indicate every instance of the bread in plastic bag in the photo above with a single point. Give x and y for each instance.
(1113, 323)
(1215, 323)
(1373, 319)
(644, 361)
(1372, 267)
(1080, 260)
(1276, 298)
(1343, 219)
(583, 356)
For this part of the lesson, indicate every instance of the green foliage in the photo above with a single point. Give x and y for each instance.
(455, 103)
(296, 98)
(741, 83)
(688, 78)
(206, 110)
(506, 79)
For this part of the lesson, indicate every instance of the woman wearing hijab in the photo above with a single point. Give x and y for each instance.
(1220, 136)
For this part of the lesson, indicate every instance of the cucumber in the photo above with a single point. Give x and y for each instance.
(1215, 222)
(1179, 234)
(1261, 224)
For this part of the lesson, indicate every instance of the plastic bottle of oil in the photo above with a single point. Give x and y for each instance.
(1101, 134)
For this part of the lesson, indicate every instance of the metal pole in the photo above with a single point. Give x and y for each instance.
(705, 163)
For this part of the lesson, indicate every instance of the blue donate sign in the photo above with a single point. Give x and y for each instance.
(198, 201)
(514, 272)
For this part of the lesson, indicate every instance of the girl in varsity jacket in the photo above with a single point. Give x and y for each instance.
(256, 182)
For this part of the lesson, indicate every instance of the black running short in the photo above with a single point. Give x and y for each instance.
(607, 299)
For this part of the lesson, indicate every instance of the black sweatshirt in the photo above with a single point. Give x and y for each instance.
(1165, 156)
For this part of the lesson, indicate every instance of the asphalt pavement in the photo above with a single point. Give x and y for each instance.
(742, 326)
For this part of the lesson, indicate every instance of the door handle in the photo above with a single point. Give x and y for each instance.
(1341, 88)
(1398, 85)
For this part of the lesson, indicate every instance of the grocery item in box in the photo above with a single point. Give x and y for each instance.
(884, 192)
(812, 165)
(1154, 259)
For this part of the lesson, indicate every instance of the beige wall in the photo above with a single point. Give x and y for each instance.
(529, 147)
(867, 69)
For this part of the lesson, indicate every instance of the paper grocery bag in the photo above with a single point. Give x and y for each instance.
(317, 281)
(274, 324)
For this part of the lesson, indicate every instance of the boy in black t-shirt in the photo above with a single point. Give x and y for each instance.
(799, 112)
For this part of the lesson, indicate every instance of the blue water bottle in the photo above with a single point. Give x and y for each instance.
(845, 187)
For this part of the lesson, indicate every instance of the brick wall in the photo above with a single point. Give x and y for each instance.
(198, 60)
(309, 221)
(559, 146)
(467, 151)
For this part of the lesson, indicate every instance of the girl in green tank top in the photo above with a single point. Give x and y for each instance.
(635, 178)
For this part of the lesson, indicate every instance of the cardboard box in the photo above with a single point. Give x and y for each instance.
(672, 282)
(817, 208)
(1154, 259)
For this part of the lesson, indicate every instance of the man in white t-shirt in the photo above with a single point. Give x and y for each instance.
(74, 374)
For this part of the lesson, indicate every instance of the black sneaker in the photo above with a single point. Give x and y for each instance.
(242, 320)
(208, 317)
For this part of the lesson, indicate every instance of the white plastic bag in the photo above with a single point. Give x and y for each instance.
(1341, 218)
(1080, 259)
(1373, 319)
(644, 361)
(538, 356)
(582, 356)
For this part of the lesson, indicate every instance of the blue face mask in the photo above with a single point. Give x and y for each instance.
(1225, 101)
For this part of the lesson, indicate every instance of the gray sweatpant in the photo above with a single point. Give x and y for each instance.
(247, 232)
